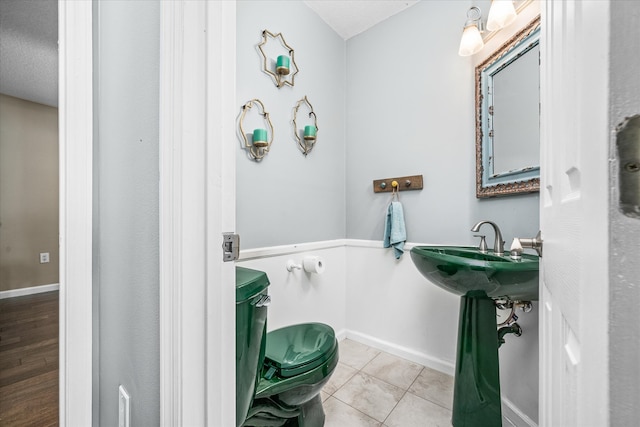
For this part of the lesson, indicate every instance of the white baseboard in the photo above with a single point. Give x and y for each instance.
(404, 352)
(11, 293)
(341, 334)
(512, 416)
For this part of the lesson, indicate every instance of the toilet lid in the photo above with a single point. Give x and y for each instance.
(299, 348)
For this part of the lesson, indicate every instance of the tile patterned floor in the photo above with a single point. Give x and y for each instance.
(370, 388)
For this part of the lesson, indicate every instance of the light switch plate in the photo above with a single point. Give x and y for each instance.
(124, 408)
(44, 257)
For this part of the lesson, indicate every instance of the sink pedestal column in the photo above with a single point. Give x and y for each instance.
(476, 392)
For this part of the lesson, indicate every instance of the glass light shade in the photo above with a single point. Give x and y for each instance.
(471, 41)
(501, 14)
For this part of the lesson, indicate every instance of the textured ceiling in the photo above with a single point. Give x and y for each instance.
(29, 50)
(351, 17)
(29, 39)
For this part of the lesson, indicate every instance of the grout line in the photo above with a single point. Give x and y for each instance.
(356, 409)
(416, 378)
(360, 371)
(394, 407)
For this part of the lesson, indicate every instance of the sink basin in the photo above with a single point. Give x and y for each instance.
(465, 271)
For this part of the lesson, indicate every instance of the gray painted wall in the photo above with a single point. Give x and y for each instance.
(288, 198)
(127, 229)
(410, 112)
(624, 274)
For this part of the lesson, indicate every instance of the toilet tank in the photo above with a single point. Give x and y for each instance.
(251, 330)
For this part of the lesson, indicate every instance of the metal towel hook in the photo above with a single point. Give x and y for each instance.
(394, 191)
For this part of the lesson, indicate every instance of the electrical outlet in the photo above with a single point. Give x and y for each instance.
(124, 408)
(44, 257)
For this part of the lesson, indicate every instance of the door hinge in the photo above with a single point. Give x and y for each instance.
(230, 246)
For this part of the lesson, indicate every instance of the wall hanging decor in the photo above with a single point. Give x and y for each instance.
(309, 132)
(261, 138)
(283, 69)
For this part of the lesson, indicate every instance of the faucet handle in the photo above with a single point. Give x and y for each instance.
(482, 247)
(533, 243)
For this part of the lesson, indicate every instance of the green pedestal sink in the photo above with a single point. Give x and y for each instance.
(478, 278)
(460, 270)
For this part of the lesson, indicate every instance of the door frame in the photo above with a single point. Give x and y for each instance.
(197, 204)
(75, 110)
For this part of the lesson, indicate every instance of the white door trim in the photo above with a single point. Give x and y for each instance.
(75, 111)
(197, 203)
(171, 42)
(221, 212)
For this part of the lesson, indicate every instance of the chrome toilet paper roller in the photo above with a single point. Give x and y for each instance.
(310, 264)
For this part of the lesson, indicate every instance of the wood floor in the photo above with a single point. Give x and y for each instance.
(29, 360)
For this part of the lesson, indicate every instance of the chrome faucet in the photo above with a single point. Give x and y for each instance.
(498, 244)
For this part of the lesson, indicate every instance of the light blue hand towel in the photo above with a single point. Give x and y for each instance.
(395, 233)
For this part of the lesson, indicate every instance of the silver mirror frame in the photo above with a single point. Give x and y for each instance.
(526, 180)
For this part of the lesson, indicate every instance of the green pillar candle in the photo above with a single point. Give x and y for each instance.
(282, 65)
(260, 137)
(310, 132)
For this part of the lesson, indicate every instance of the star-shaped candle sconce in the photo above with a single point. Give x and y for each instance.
(284, 69)
(309, 132)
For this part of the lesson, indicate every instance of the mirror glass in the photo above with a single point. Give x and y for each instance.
(508, 117)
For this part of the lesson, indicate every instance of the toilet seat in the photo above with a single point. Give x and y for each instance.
(296, 349)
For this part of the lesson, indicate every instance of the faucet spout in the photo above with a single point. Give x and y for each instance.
(498, 244)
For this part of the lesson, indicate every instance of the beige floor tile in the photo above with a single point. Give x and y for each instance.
(340, 376)
(414, 411)
(324, 396)
(339, 414)
(393, 370)
(370, 395)
(355, 354)
(434, 386)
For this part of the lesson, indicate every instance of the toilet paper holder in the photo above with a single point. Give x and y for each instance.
(310, 264)
(291, 265)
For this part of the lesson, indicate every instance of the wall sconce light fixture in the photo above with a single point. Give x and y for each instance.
(471, 41)
(501, 14)
(283, 64)
(310, 132)
(260, 141)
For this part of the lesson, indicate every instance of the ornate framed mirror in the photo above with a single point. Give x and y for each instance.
(508, 117)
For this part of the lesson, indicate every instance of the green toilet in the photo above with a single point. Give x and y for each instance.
(279, 374)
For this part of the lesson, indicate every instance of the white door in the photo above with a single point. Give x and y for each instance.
(197, 204)
(574, 214)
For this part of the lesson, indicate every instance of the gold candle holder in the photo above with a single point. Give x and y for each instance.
(260, 142)
(309, 134)
(286, 67)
